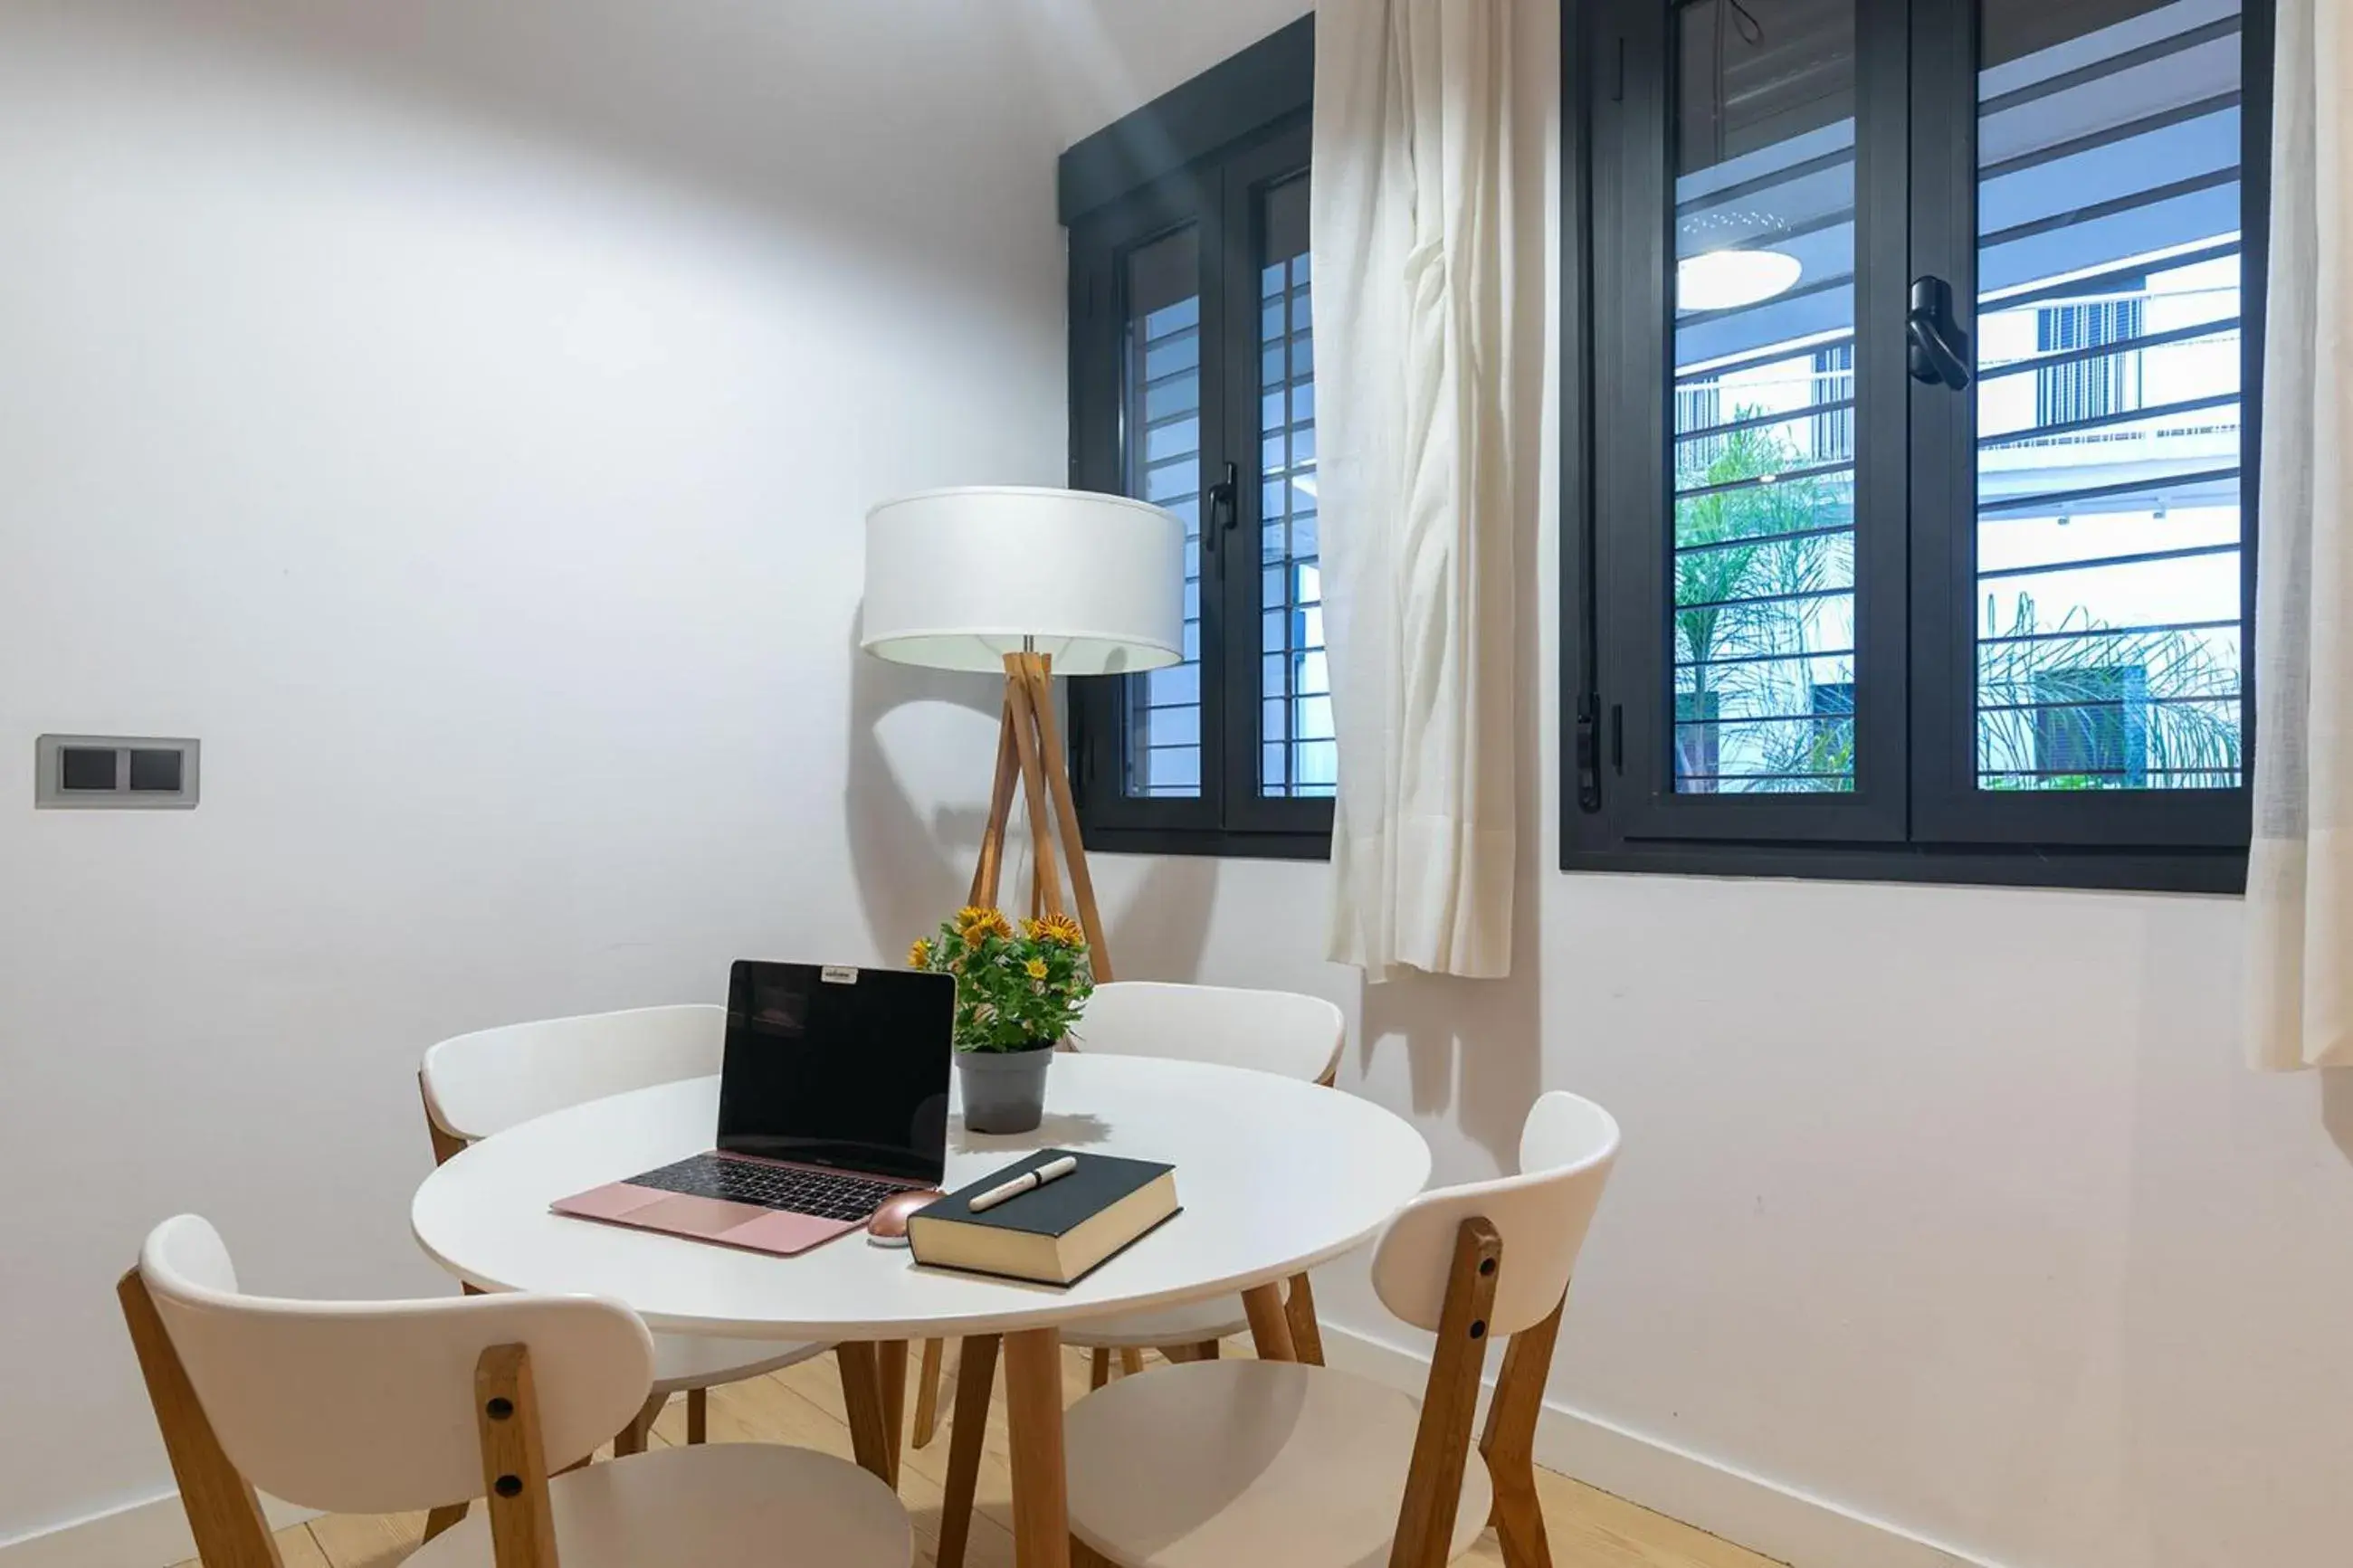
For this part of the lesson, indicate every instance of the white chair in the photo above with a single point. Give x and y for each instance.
(485, 1082)
(1217, 1463)
(1281, 1032)
(383, 1407)
(1278, 1032)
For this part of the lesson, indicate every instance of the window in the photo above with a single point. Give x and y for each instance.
(1193, 386)
(1918, 344)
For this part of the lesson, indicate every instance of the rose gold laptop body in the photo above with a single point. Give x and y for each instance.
(729, 1223)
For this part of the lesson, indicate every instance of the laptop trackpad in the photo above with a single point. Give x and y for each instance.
(684, 1214)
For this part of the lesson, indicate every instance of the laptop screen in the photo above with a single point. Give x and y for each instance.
(840, 1066)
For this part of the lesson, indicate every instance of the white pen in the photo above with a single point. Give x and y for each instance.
(1052, 1171)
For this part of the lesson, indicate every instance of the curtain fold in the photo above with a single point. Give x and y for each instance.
(2299, 973)
(1410, 235)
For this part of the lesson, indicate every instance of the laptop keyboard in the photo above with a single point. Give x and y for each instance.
(826, 1194)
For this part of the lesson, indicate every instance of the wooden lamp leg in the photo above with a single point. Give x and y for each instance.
(990, 869)
(1025, 740)
(1038, 674)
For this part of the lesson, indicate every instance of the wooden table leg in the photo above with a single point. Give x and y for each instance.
(861, 1394)
(927, 1392)
(890, 1358)
(976, 1383)
(1270, 1325)
(1306, 1333)
(1033, 1398)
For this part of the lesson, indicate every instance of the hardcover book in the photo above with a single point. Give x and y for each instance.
(1054, 1234)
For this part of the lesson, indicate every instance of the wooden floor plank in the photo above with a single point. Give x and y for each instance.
(295, 1548)
(366, 1540)
(802, 1405)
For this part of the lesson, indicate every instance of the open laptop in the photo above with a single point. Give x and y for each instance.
(833, 1096)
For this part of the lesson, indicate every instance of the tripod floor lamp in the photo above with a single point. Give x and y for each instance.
(1028, 583)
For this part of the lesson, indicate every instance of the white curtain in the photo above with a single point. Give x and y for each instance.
(1412, 244)
(2300, 868)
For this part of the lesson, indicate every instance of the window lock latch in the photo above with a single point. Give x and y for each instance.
(1224, 503)
(1936, 347)
(1589, 753)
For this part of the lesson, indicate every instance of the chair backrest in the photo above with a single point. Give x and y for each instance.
(485, 1082)
(1274, 1031)
(1567, 1146)
(368, 1406)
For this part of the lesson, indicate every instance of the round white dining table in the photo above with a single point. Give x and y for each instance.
(1274, 1177)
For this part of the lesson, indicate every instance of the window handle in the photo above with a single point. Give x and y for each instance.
(1225, 497)
(1938, 345)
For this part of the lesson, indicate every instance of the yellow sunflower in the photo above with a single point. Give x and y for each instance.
(974, 923)
(1061, 930)
(1035, 969)
(920, 955)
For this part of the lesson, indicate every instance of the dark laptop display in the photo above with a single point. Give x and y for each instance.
(842, 1067)
(833, 1098)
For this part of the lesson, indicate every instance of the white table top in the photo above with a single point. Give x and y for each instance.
(1274, 1176)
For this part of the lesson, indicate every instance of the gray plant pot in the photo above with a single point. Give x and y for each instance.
(1003, 1091)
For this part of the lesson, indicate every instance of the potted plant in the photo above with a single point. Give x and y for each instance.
(1017, 994)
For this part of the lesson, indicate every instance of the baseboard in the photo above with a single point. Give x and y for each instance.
(151, 1535)
(1764, 1516)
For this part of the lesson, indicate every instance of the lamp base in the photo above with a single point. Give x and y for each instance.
(1029, 751)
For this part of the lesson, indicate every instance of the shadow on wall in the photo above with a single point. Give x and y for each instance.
(2337, 1106)
(907, 882)
(706, 96)
(1167, 916)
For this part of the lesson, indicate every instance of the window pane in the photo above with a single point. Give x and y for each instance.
(2108, 398)
(1763, 421)
(1161, 461)
(1296, 750)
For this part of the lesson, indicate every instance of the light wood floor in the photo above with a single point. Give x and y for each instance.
(802, 1404)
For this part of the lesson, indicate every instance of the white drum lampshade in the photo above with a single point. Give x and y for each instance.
(956, 579)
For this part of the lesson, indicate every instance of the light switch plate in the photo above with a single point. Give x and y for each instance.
(70, 773)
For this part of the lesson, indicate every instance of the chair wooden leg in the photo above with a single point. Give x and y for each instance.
(1442, 1441)
(1130, 1362)
(1099, 1368)
(975, 1383)
(631, 1439)
(515, 1462)
(698, 1415)
(1306, 1334)
(927, 1394)
(443, 1518)
(1508, 1443)
(223, 1512)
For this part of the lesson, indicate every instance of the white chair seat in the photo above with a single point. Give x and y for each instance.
(1187, 1325)
(1215, 1464)
(683, 1362)
(725, 1505)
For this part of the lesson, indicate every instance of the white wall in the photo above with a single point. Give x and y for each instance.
(468, 409)
(1950, 1208)
(461, 417)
